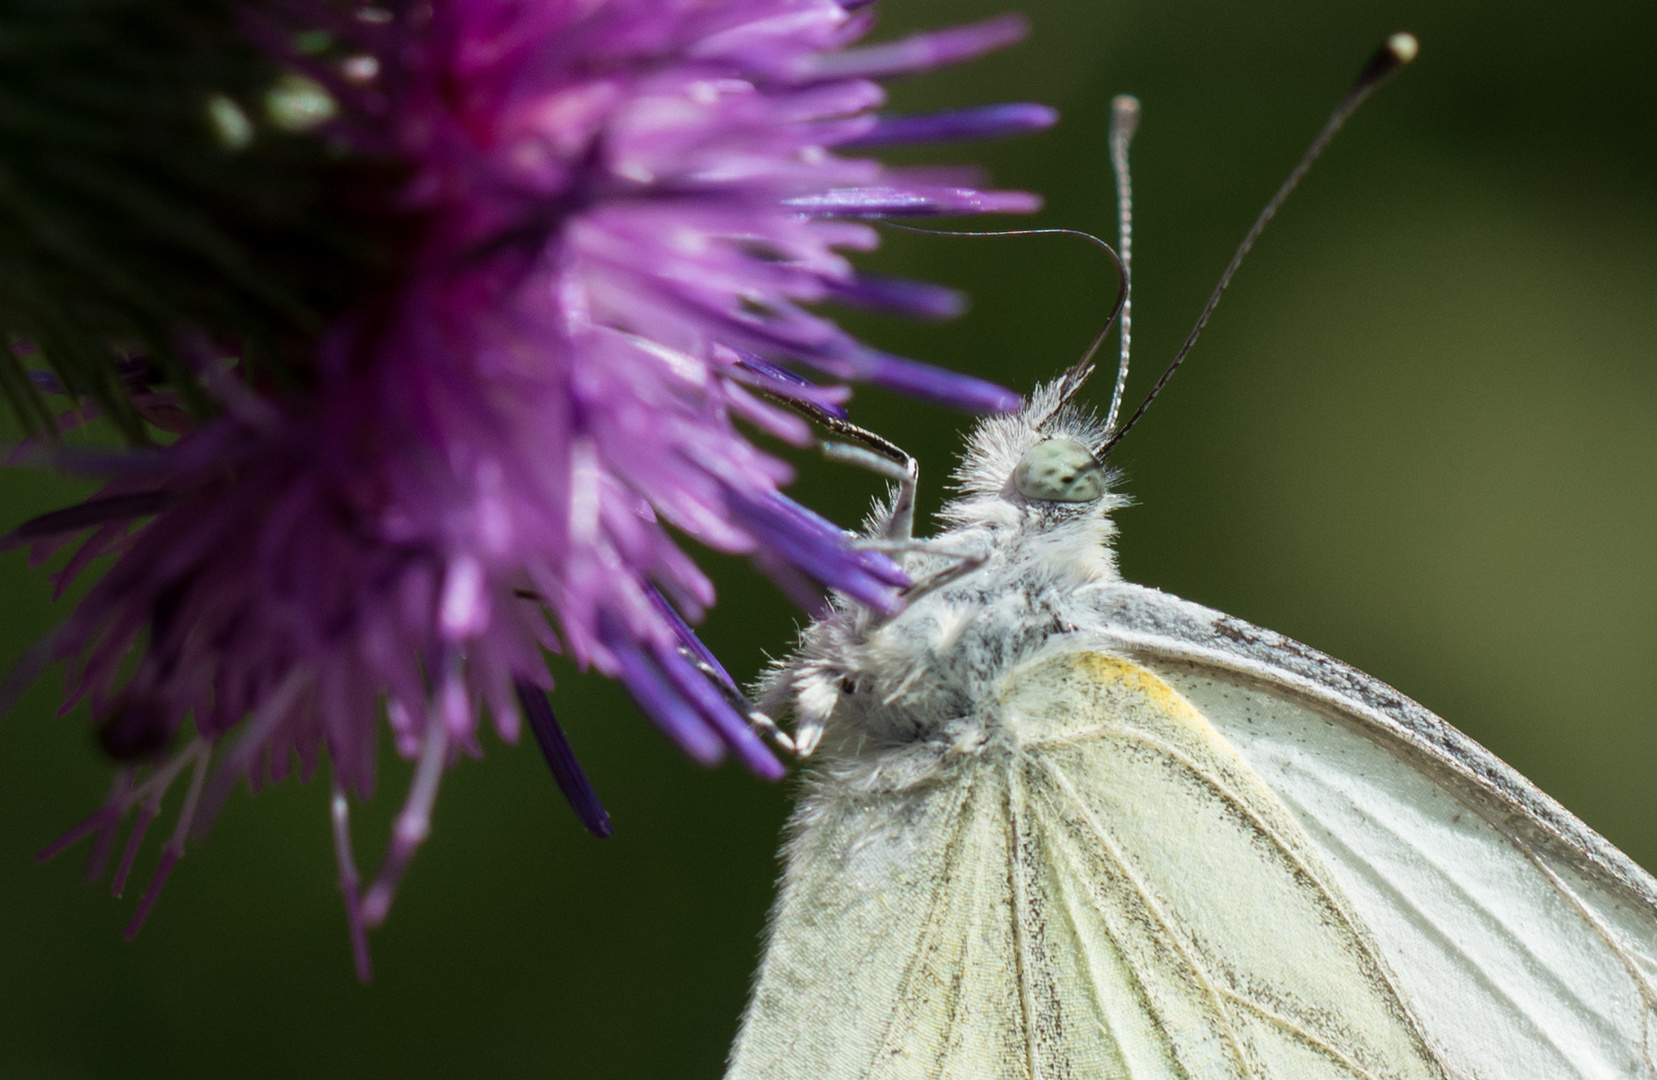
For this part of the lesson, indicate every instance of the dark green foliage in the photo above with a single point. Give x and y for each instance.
(125, 220)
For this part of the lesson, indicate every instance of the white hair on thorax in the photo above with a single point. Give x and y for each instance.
(857, 672)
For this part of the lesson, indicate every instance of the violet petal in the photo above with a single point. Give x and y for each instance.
(919, 299)
(660, 701)
(733, 728)
(984, 122)
(566, 769)
(82, 515)
(913, 201)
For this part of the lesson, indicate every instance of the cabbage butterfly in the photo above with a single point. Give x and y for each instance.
(1061, 825)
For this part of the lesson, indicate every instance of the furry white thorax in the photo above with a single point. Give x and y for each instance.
(897, 697)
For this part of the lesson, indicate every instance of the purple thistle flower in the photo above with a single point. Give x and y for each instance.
(622, 213)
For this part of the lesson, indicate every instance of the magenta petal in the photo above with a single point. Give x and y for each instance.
(103, 819)
(91, 512)
(622, 226)
(152, 893)
(921, 52)
(146, 817)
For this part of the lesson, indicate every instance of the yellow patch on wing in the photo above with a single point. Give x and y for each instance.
(1132, 677)
(1078, 694)
(1180, 870)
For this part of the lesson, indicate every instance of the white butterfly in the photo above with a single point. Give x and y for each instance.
(1063, 826)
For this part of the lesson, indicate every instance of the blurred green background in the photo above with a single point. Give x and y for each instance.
(1421, 434)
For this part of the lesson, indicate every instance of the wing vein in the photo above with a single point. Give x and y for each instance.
(960, 824)
(1153, 907)
(1142, 991)
(1021, 900)
(1431, 926)
(1648, 997)
(1299, 1031)
(1647, 994)
(1168, 628)
(1241, 806)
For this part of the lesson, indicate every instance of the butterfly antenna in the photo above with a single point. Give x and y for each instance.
(1398, 50)
(1124, 120)
(1076, 374)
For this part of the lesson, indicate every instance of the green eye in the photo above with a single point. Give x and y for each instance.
(1059, 470)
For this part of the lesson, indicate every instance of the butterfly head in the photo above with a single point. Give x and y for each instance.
(1036, 467)
(1060, 470)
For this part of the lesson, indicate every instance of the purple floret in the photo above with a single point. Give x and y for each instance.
(625, 213)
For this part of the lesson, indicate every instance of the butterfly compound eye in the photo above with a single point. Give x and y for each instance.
(1059, 470)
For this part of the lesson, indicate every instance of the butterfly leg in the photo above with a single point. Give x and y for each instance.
(897, 537)
(964, 563)
(885, 460)
(863, 448)
(866, 450)
(757, 719)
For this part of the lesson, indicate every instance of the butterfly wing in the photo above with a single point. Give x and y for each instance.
(1523, 943)
(890, 945)
(1174, 918)
(1105, 890)
(1199, 849)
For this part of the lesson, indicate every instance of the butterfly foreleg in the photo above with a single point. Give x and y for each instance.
(864, 449)
(962, 564)
(905, 473)
(869, 451)
(757, 718)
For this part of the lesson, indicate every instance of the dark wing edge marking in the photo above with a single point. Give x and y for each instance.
(1147, 621)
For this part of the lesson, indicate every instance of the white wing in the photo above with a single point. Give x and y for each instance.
(1194, 848)
(895, 917)
(1105, 890)
(1523, 942)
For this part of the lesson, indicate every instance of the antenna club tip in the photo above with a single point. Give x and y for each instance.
(1398, 50)
(1404, 46)
(1124, 117)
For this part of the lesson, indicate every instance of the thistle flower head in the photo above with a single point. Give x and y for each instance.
(618, 215)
